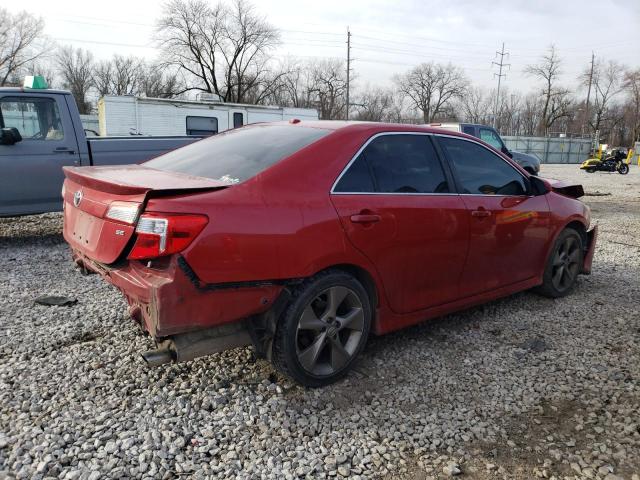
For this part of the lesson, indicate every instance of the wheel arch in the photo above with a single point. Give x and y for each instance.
(365, 278)
(579, 227)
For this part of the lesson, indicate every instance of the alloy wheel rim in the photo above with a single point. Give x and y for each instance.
(329, 331)
(565, 265)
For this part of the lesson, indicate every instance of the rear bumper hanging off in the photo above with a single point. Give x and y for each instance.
(166, 302)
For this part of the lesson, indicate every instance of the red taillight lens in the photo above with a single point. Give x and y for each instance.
(159, 234)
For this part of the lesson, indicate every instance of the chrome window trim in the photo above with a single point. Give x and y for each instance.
(380, 134)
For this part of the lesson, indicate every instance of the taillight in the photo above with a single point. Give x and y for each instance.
(125, 212)
(159, 234)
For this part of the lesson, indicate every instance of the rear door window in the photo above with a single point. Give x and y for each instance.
(395, 164)
(236, 155)
(480, 171)
(36, 118)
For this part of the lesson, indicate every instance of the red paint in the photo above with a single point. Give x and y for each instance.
(427, 255)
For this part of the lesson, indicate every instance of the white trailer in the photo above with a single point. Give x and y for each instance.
(129, 115)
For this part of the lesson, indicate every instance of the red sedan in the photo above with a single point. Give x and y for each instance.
(303, 239)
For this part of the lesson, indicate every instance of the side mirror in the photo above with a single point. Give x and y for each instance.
(10, 136)
(506, 151)
(538, 186)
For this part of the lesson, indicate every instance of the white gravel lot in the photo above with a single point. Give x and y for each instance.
(520, 388)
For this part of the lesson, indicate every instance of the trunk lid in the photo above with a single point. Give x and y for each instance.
(89, 192)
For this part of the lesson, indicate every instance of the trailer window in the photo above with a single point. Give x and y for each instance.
(202, 126)
(238, 119)
(36, 118)
(236, 155)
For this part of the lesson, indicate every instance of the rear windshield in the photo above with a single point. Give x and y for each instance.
(237, 155)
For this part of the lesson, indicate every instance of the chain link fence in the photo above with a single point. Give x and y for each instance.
(551, 149)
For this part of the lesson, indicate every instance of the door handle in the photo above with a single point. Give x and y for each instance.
(64, 150)
(365, 218)
(481, 212)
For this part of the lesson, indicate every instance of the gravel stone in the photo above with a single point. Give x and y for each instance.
(524, 387)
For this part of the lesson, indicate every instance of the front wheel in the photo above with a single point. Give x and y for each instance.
(623, 168)
(323, 330)
(563, 266)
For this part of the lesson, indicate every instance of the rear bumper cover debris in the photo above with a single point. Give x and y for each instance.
(592, 238)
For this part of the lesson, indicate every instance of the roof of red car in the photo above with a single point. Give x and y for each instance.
(359, 126)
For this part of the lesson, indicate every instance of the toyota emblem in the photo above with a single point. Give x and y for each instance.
(77, 198)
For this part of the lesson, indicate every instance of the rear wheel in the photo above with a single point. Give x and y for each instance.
(324, 329)
(623, 168)
(563, 266)
(591, 169)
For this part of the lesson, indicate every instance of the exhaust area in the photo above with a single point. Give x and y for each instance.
(157, 357)
(187, 346)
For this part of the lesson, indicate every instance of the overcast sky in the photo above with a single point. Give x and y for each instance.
(388, 37)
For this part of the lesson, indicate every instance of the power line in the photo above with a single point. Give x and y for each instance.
(501, 64)
(97, 42)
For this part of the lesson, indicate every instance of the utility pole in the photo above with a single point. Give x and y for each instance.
(586, 112)
(348, 67)
(500, 64)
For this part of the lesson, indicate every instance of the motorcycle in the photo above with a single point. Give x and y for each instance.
(613, 163)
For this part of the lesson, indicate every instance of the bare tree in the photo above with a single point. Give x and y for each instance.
(430, 87)
(554, 97)
(126, 74)
(509, 119)
(75, 67)
(375, 105)
(19, 35)
(158, 82)
(328, 87)
(118, 76)
(531, 114)
(475, 105)
(607, 83)
(103, 77)
(632, 87)
(226, 50)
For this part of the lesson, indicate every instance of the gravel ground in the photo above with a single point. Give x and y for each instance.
(520, 388)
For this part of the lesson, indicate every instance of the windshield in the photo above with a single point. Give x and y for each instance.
(237, 155)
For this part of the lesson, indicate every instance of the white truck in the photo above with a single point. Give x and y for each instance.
(129, 115)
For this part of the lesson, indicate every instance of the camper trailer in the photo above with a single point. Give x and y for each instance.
(208, 115)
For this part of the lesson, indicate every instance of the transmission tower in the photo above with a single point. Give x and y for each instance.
(500, 65)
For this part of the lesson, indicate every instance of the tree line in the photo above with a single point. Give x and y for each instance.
(228, 49)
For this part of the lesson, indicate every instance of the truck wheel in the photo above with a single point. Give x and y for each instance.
(563, 266)
(323, 330)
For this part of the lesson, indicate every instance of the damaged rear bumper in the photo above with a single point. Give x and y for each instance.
(186, 318)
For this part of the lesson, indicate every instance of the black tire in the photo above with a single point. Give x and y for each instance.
(591, 170)
(323, 329)
(623, 169)
(563, 266)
